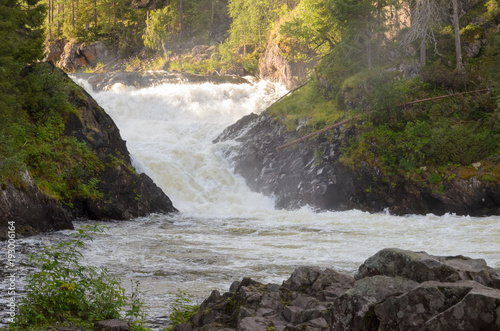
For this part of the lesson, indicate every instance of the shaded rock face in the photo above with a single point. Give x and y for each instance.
(29, 211)
(310, 173)
(274, 66)
(313, 299)
(126, 193)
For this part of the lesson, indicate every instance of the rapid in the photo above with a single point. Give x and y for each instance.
(224, 231)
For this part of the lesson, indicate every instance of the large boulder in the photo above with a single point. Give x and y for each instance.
(77, 56)
(421, 267)
(374, 301)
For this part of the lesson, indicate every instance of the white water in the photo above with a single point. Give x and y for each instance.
(224, 231)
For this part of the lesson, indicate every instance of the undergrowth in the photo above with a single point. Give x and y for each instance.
(64, 292)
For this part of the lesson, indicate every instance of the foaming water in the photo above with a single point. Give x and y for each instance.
(169, 131)
(224, 231)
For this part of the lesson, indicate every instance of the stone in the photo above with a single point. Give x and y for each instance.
(478, 310)
(421, 267)
(295, 178)
(373, 302)
(112, 325)
(354, 310)
(253, 324)
(30, 210)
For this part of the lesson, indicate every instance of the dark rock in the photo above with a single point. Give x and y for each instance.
(29, 211)
(112, 325)
(354, 310)
(421, 267)
(374, 302)
(478, 310)
(126, 194)
(311, 173)
(415, 308)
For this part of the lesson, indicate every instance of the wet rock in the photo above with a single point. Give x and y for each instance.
(311, 173)
(373, 302)
(112, 325)
(420, 267)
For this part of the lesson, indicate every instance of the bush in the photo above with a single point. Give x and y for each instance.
(182, 309)
(63, 290)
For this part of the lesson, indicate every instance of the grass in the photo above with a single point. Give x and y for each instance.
(307, 104)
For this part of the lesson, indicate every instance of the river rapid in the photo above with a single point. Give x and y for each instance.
(224, 231)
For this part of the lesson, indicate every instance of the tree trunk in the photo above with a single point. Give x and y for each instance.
(458, 46)
(58, 19)
(423, 51)
(181, 14)
(49, 17)
(95, 16)
(73, 14)
(369, 51)
(165, 53)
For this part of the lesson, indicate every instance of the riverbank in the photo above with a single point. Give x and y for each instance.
(73, 164)
(393, 290)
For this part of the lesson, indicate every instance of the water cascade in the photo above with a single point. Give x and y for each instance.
(224, 231)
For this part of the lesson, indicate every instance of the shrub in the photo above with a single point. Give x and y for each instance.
(63, 290)
(182, 309)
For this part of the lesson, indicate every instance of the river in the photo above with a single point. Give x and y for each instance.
(224, 231)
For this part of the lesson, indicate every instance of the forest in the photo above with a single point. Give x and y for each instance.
(363, 57)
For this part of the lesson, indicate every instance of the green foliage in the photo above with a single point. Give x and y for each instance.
(64, 289)
(311, 25)
(21, 39)
(306, 103)
(182, 309)
(160, 27)
(63, 167)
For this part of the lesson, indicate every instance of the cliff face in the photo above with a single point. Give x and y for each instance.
(274, 66)
(126, 193)
(310, 173)
(119, 192)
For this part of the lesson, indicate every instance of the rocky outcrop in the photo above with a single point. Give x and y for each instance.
(124, 192)
(76, 56)
(393, 295)
(310, 173)
(275, 66)
(27, 210)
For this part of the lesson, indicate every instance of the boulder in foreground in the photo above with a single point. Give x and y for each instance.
(393, 290)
